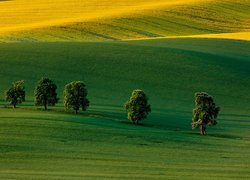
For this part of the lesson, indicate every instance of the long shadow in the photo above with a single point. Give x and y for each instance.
(227, 136)
(121, 118)
(125, 121)
(114, 117)
(237, 115)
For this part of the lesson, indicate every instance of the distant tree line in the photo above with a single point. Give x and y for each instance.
(75, 98)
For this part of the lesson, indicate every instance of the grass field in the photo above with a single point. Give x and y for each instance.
(118, 20)
(100, 143)
(40, 145)
(169, 49)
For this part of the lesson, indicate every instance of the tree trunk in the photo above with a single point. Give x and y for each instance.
(202, 130)
(45, 104)
(14, 105)
(76, 111)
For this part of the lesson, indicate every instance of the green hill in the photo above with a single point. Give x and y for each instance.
(77, 42)
(170, 71)
(99, 143)
(40, 145)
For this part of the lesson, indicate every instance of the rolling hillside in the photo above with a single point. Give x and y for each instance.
(40, 145)
(169, 49)
(99, 143)
(119, 20)
(170, 71)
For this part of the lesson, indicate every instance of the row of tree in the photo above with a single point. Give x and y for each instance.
(75, 94)
(204, 114)
(138, 108)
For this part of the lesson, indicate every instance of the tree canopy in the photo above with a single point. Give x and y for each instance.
(205, 112)
(45, 93)
(16, 93)
(75, 96)
(137, 106)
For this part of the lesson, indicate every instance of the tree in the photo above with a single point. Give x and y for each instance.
(75, 96)
(16, 94)
(205, 112)
(45, 93)
(137, 106)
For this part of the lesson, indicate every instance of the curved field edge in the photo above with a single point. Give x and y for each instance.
(215, 17)
(244, 36)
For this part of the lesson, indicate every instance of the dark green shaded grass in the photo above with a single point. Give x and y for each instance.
(100, 143)
(170, 75)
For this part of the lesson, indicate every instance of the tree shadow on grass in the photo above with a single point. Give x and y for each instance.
(226, 136)
(124, 121)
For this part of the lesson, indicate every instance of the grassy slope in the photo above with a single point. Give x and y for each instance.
(204, 17)
(20, 14)
(97, 144)
(174, 73)
(38, 145)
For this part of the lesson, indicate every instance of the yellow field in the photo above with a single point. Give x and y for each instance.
(22, 14)
(94, 20)
(233, 36)
(236, 36)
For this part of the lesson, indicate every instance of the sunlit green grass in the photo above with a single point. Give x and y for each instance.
(100, 143)
(48, 145)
